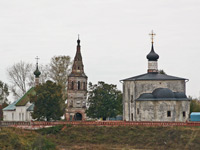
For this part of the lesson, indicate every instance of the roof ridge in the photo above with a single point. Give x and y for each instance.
(151, 76)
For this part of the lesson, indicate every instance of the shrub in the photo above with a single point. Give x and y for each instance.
(51, 130)
(41, 143)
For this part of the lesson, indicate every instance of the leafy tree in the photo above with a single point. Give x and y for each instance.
(48, 102)
(161, 71)
(194, 105)
(104, 101)
(60, 67)
(4, 93)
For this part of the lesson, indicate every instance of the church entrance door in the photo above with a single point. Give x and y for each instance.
(78, 117)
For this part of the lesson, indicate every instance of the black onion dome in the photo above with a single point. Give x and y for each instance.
(37, 73)
(152, 56)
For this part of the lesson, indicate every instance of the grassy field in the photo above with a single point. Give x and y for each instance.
(97, 138)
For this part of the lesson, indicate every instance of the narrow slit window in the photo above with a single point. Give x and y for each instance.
(183, 113)
(138, 111)
(168, 113)
(79, 85)
(84, 86)
(131, 116)
(131, 98)
(72, 86)
(12, 116)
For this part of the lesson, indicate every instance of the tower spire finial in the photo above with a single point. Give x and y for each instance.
(37, 58)
(152, 57)
(78, 41)
(152, 34)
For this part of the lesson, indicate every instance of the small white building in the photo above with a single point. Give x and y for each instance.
(20, 110)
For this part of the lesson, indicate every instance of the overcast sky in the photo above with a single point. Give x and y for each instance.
(114, 36)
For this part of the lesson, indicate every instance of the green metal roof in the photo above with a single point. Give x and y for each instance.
(22, 101)
(25, 99)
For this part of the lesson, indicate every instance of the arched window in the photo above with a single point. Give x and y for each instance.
(79, 85)
(72, 86)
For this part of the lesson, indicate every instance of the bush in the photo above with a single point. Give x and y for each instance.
(41, 143)
(194, 106)
(51, 130)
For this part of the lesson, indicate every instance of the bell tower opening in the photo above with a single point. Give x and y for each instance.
(78, 117)
(79, 85)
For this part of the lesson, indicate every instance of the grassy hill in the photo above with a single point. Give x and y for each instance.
(135, 137)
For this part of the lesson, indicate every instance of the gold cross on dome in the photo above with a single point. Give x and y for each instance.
(37, 58)
(152, 36)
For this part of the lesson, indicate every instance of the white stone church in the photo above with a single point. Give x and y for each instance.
(154, 96)
(20, 110)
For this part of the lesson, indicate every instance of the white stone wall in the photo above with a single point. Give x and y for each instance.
(133, 89)
(149, 86)
(20, 114)
(7, 115)
(157, 110)
(153, 65)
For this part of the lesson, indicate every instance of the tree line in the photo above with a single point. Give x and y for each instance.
(105, 100)
(21, 75)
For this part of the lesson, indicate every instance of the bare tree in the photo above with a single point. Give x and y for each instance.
(22, 78)
(19, 76)
(60, 67)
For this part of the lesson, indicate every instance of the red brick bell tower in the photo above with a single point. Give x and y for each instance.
(77, 89)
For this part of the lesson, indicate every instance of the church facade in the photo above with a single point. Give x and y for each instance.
(154, 96)
(21, 109)
(77, 89)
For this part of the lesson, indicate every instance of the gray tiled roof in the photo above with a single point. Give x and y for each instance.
(20, 102)
(162, 99)
(162, 94)
(153, 76)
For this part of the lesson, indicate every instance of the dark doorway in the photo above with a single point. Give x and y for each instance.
(78, 117)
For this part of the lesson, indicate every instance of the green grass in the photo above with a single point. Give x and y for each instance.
(18, 139)
(80, 137)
